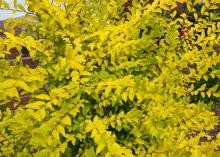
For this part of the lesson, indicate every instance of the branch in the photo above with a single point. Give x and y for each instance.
(73, 8)
(9, 9)
(67, 15)
(59, 25)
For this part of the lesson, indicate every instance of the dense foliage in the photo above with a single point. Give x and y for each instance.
(115, 78)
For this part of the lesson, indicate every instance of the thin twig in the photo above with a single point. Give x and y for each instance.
(9, 9)
(59, 25)
(73, 7)
(67, 15)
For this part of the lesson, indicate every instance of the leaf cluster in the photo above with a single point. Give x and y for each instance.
(115, 78)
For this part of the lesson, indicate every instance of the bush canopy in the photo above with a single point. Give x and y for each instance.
(115, 78)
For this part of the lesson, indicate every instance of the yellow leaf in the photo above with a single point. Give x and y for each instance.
(21, 7)
(22, 84)
(100, 148)
(209, 94)
(195, 16)
(77, 65)
(63, 147)
(35, 105)
(11, 92)
(49, 141)
(173, 14)
(216, 95)
(80, 58)
(61, 129)
(55, 101)
(49, 105)
(108, 154)
(151, 149)
(205, 77)
(89, 126)
(107, 91)
(85, 73)
(41, 114)
(84, 80)
(55, 134)
(139, 96)
(213, 89)
(207, 4)
(7, 84)
(213, 7)
(213, 75)
(131, 94)
(158, 10)
(203, 9)
(202, 88)
(43, 97)
(124, 96)
(66, 120)
(203, 94)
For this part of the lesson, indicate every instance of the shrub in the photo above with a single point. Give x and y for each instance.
(115, 78)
